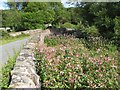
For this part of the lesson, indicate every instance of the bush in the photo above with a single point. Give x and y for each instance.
(85, 31)
(4, 34)
(92, 31)
(80, 26)
(67, 25)
(117, 25)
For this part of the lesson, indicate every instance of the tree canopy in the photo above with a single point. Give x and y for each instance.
(32, 15)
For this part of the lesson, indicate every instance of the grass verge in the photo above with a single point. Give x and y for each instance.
(11, 39)
(6, 70)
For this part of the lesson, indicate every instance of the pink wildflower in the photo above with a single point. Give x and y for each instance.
(108, 58)
(98, 50)
(72, 80)
(100, 62)
(77, 55)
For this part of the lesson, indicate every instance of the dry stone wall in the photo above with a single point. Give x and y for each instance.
(24, 73)
(29, 32)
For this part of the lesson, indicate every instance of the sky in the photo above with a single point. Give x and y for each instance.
(4, 6)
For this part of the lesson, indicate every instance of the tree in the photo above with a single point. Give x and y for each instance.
(0, 18)
(11, 18)
(36, 15)
(61, 15)
(101, 15)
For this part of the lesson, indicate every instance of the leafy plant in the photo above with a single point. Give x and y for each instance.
(67, 25)
(71, 65)
(51, 41)
(92, 31)
(6, 70)
(4, 34)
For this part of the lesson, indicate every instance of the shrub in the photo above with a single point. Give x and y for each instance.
(67, 25)
(80, 31)
(117, 26)
(80, 26)
(4, 34)
(85, 31)
(92, 31)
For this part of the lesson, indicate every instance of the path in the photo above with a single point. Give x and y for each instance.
(8, 49)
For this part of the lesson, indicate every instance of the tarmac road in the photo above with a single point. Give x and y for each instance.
(9, 49)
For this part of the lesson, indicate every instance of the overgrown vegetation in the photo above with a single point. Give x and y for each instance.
(68, 25)
(6, 71)
(4, 34)
(51, 41)
(70, 64)
(100, 18)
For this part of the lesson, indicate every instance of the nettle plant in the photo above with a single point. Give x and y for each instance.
(71, 65)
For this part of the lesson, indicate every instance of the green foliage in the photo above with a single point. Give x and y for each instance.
(86, 30)
(102, 15)
(6, 70)
(7, 38)
(51, 41)
(87, 17)
(67, 25)
(14, 5)
(11, 18)
(80, 26)
(96, 42)
(92, 31)
(71, 64)
(36, 15)
(117, 25)
(4, 34)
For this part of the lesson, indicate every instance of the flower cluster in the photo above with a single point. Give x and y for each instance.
(71, 63)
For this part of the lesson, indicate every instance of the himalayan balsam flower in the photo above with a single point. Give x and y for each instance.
(77, 55)
(98, 50)
(56, 69)
(62, 49)
(72, 80)
(108, 58)
(61, 72)
(78, 65)
(97, 70)
(89, 58)
(99, 62)
(53, 49)
(101, 56)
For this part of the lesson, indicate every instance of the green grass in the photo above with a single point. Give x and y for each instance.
(9, 39)
(6, 70)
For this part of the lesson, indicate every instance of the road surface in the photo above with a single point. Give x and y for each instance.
(9, 49)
